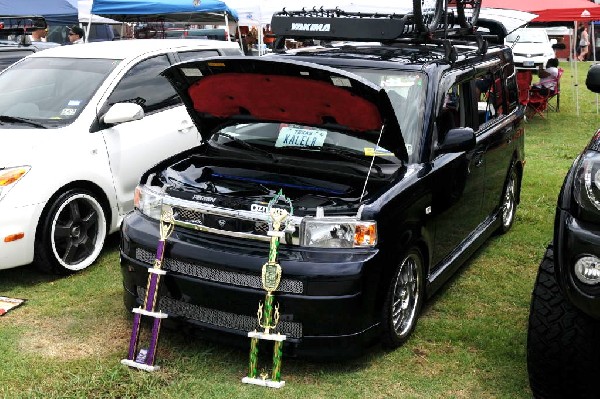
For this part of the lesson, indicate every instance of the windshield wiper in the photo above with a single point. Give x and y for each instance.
(341, 153)
(8, 118)
(248, 145)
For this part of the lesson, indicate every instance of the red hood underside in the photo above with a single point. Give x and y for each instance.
(283, 99)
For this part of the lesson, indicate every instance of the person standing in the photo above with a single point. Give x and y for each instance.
(584, 43)
(39, 30)
(76, 35)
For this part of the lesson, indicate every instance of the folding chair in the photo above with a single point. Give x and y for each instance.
(539, 103)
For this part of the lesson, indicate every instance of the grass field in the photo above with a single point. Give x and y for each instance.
(69, 337)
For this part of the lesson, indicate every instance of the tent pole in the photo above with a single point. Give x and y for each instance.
(240, 36)
(593, 42)
(89, 27)
(227, 26)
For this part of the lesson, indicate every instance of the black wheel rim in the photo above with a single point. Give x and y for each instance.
(78, 232)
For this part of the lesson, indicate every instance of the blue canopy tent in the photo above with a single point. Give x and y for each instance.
(56, 12)
(206, 11)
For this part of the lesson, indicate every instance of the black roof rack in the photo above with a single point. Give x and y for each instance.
(337, 25)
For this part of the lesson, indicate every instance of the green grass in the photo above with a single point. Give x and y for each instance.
(69, 337)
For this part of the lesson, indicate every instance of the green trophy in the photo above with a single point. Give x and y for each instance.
(268, 316)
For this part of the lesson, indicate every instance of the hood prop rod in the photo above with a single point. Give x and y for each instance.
(372, 161)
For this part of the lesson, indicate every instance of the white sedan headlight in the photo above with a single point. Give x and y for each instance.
(9, 177)
(148, 201)
(337, 232)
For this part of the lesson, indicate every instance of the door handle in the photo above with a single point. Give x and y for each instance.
(185, 126)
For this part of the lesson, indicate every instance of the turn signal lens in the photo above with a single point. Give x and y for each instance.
(365, 234)
(10, 176)
(14, 237)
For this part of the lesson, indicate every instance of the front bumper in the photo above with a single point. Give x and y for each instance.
(531, 63)
(14, 220)
(328, 300)
(574, 239)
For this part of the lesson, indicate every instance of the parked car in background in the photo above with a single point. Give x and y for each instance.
(563, 341)
(11, 52)
(212, 34)
(78, 126)
(531, 47)
(398, 161)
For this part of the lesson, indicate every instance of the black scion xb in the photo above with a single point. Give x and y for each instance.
(401, 157)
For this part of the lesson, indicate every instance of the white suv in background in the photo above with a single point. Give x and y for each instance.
(531, 47)
(78, 126)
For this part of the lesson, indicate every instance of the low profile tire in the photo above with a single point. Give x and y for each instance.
(563, 351)
(71, 233)
(403, 301)
(508, 208)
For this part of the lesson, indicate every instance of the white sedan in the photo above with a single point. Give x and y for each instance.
(78, 126)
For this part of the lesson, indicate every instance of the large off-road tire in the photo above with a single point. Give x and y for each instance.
(508, 207)
(427, 14)
(71, 233)
(563, 351)
(403, 300)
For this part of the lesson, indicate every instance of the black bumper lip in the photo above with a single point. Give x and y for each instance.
(334, 312)
(575, 239)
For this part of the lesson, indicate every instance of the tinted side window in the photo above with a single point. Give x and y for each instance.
(144, 85)
(192, 55)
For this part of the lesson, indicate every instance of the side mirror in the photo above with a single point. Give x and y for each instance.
(593, 78)
(457, 140)
(123, 112)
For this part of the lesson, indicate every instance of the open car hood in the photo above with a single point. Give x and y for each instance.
(226, 90)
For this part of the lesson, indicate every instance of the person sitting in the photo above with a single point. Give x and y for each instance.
(548, 77)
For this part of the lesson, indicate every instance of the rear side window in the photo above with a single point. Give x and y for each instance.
(144, 85)
(192, 55)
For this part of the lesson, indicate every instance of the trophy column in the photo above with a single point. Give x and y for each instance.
(144, 358)
(268, 315)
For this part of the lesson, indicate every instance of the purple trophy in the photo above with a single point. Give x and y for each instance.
(144, 358)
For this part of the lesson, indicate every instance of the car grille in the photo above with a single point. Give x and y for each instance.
(528, 55)
(219, 318)
(222, 276)
(239, 223)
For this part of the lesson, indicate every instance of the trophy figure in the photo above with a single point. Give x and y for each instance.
(268, 315)
(144, 358)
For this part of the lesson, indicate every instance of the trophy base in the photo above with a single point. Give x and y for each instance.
(141, 366)
(263, 383)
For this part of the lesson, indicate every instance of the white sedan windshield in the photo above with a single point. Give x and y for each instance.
(51, 91)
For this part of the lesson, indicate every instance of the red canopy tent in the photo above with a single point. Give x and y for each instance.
(555, 11)
(551, 10)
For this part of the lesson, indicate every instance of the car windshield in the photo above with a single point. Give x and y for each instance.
(407, 94)
(50, 92)
(528, 36)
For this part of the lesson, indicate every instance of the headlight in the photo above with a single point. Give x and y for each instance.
(586, 188)
(148, 201)
(337, 232)
(9, 177)
(587, 269)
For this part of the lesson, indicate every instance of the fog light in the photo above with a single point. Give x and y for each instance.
(587, 270)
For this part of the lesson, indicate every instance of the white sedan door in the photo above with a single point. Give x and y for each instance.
(165, 130)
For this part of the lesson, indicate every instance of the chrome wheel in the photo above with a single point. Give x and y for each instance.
(403, 300)
(406, 295)
(509, 202)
